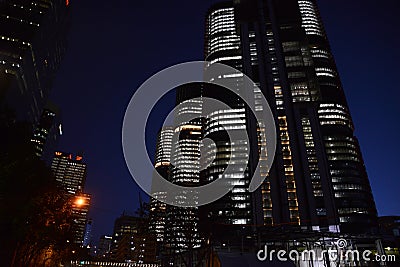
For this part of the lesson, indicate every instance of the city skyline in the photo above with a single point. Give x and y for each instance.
(119, 177)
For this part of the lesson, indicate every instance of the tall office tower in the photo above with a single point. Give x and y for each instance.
(229, 216)
(182, 232)
(70, 171)
(161, 164)
(47, 132)
(33, 40)
(318, 179)
(354, 201)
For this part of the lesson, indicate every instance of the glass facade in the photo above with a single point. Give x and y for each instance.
(318, 179)
(182, 224)
(223, 45)
(353, 196)
(162, 163)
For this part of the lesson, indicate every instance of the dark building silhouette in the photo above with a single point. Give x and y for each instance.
(104, 247)
(33, 41)
(131, 241)
(389, 227)
(47, 133)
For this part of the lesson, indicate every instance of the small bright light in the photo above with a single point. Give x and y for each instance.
(80, 201)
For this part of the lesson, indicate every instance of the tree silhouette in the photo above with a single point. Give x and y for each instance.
(34, 210)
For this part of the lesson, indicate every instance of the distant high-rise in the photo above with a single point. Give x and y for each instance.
(161, 164)
(80, 223)
(70, 171)
(318, 180)
(33, 41)
(88, 233)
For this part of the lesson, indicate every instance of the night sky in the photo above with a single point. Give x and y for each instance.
(116, 45)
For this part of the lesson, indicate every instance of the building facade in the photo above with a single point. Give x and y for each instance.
(318, 179)
(182, 224)
(162, 164)
(80, 222)
(317, 182)
(70, 172)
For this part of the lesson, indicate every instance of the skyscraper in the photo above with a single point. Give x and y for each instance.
(33, 40)
(318, 180)
(182, 224)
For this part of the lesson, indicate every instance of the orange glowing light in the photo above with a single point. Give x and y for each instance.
(67, 2)
(58, 153)
(80, 201)
(78, 158)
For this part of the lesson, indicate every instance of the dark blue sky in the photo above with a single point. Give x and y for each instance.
(116, 45)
